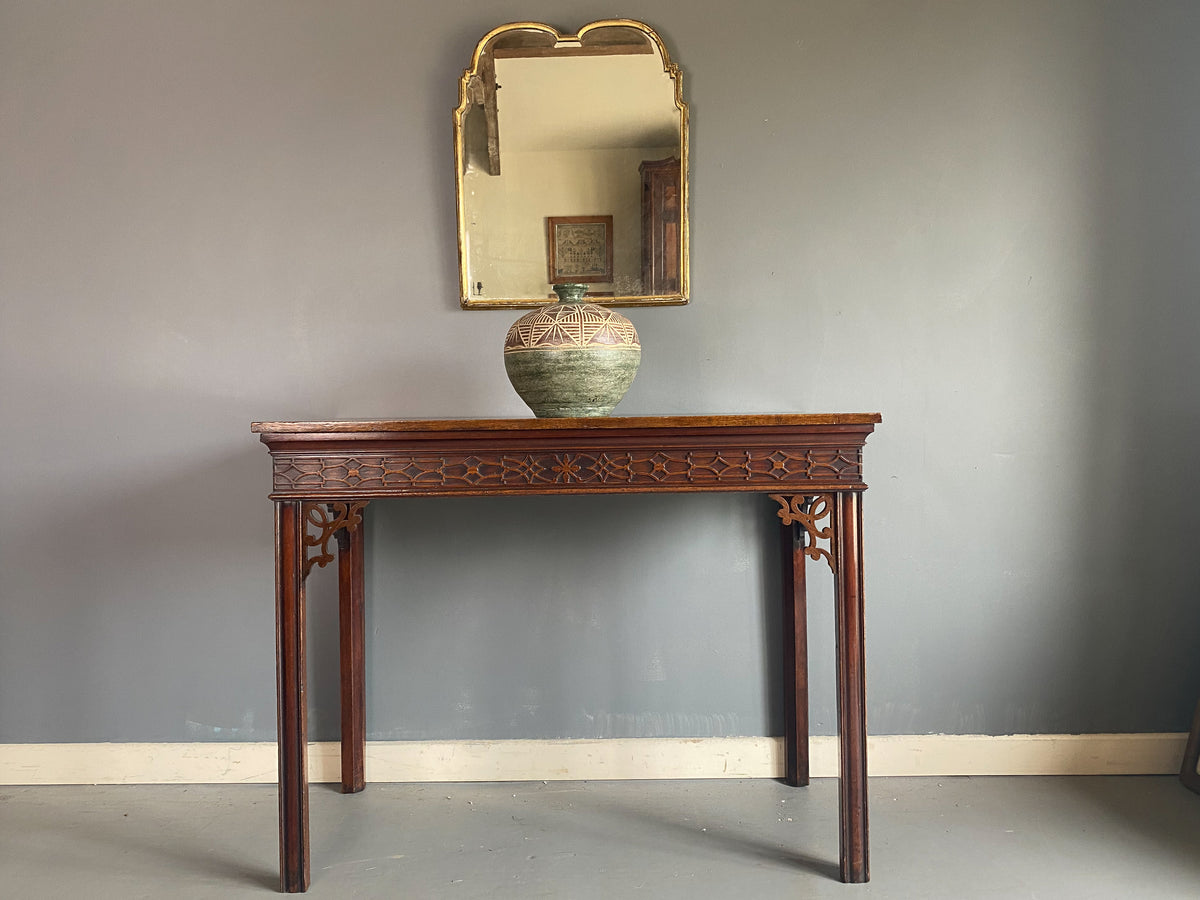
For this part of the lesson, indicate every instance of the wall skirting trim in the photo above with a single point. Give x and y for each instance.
(593, 760)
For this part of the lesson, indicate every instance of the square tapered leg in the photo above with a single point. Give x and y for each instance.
(292, 721)
(352, 623)
(795, 656)
(851, 691)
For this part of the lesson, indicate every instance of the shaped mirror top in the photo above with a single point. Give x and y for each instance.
(571, 166)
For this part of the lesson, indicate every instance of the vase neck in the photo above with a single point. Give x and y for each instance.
(570, 293)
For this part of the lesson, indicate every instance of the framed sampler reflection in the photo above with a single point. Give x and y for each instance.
(580, 249)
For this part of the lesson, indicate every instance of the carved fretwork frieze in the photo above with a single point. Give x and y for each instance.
(327, 519)
(808, 511)
(449, 472)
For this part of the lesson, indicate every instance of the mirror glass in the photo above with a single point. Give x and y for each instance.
(571, 166)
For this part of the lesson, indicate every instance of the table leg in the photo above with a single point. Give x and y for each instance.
(795, 656)
(352, 619)
(292, 708)
(851, 690)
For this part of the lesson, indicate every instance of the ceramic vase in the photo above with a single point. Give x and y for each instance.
(572, 358)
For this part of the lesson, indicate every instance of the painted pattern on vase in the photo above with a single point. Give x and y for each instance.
(572, 358)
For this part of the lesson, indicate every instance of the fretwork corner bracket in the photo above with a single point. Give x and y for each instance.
(808, 510)
(327, 519)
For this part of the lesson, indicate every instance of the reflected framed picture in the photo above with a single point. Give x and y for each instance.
(1189, 772)
(580, 249)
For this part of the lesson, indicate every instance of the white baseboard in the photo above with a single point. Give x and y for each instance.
(594, 760)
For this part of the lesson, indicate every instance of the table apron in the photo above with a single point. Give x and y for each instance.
(320, 475)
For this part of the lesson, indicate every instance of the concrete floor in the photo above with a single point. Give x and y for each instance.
(954, 838)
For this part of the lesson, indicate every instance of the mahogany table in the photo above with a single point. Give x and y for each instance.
(324, 473)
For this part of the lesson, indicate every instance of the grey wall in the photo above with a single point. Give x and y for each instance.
(981, 219)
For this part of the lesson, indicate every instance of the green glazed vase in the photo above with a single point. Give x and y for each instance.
(572, 358)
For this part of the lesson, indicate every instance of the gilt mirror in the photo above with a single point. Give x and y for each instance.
(570, 156)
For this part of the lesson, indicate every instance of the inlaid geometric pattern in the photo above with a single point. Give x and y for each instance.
(359, 474)
(566, 326)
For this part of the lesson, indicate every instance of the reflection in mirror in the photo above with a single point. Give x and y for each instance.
(571, 166)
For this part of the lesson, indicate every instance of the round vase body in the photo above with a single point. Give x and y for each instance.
(572, 358)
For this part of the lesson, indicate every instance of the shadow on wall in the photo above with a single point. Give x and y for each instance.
(545, 633)
(138, 600)
(146, 614)
(1138, 615)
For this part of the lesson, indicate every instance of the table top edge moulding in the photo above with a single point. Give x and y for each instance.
(400, 426)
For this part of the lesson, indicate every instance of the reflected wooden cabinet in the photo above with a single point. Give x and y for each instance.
(660, 225)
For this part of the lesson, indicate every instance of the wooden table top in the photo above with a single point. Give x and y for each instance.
(384, 426)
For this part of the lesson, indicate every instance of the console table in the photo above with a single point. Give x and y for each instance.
(325, 473)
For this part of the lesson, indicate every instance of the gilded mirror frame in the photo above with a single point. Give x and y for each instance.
(475, 74)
